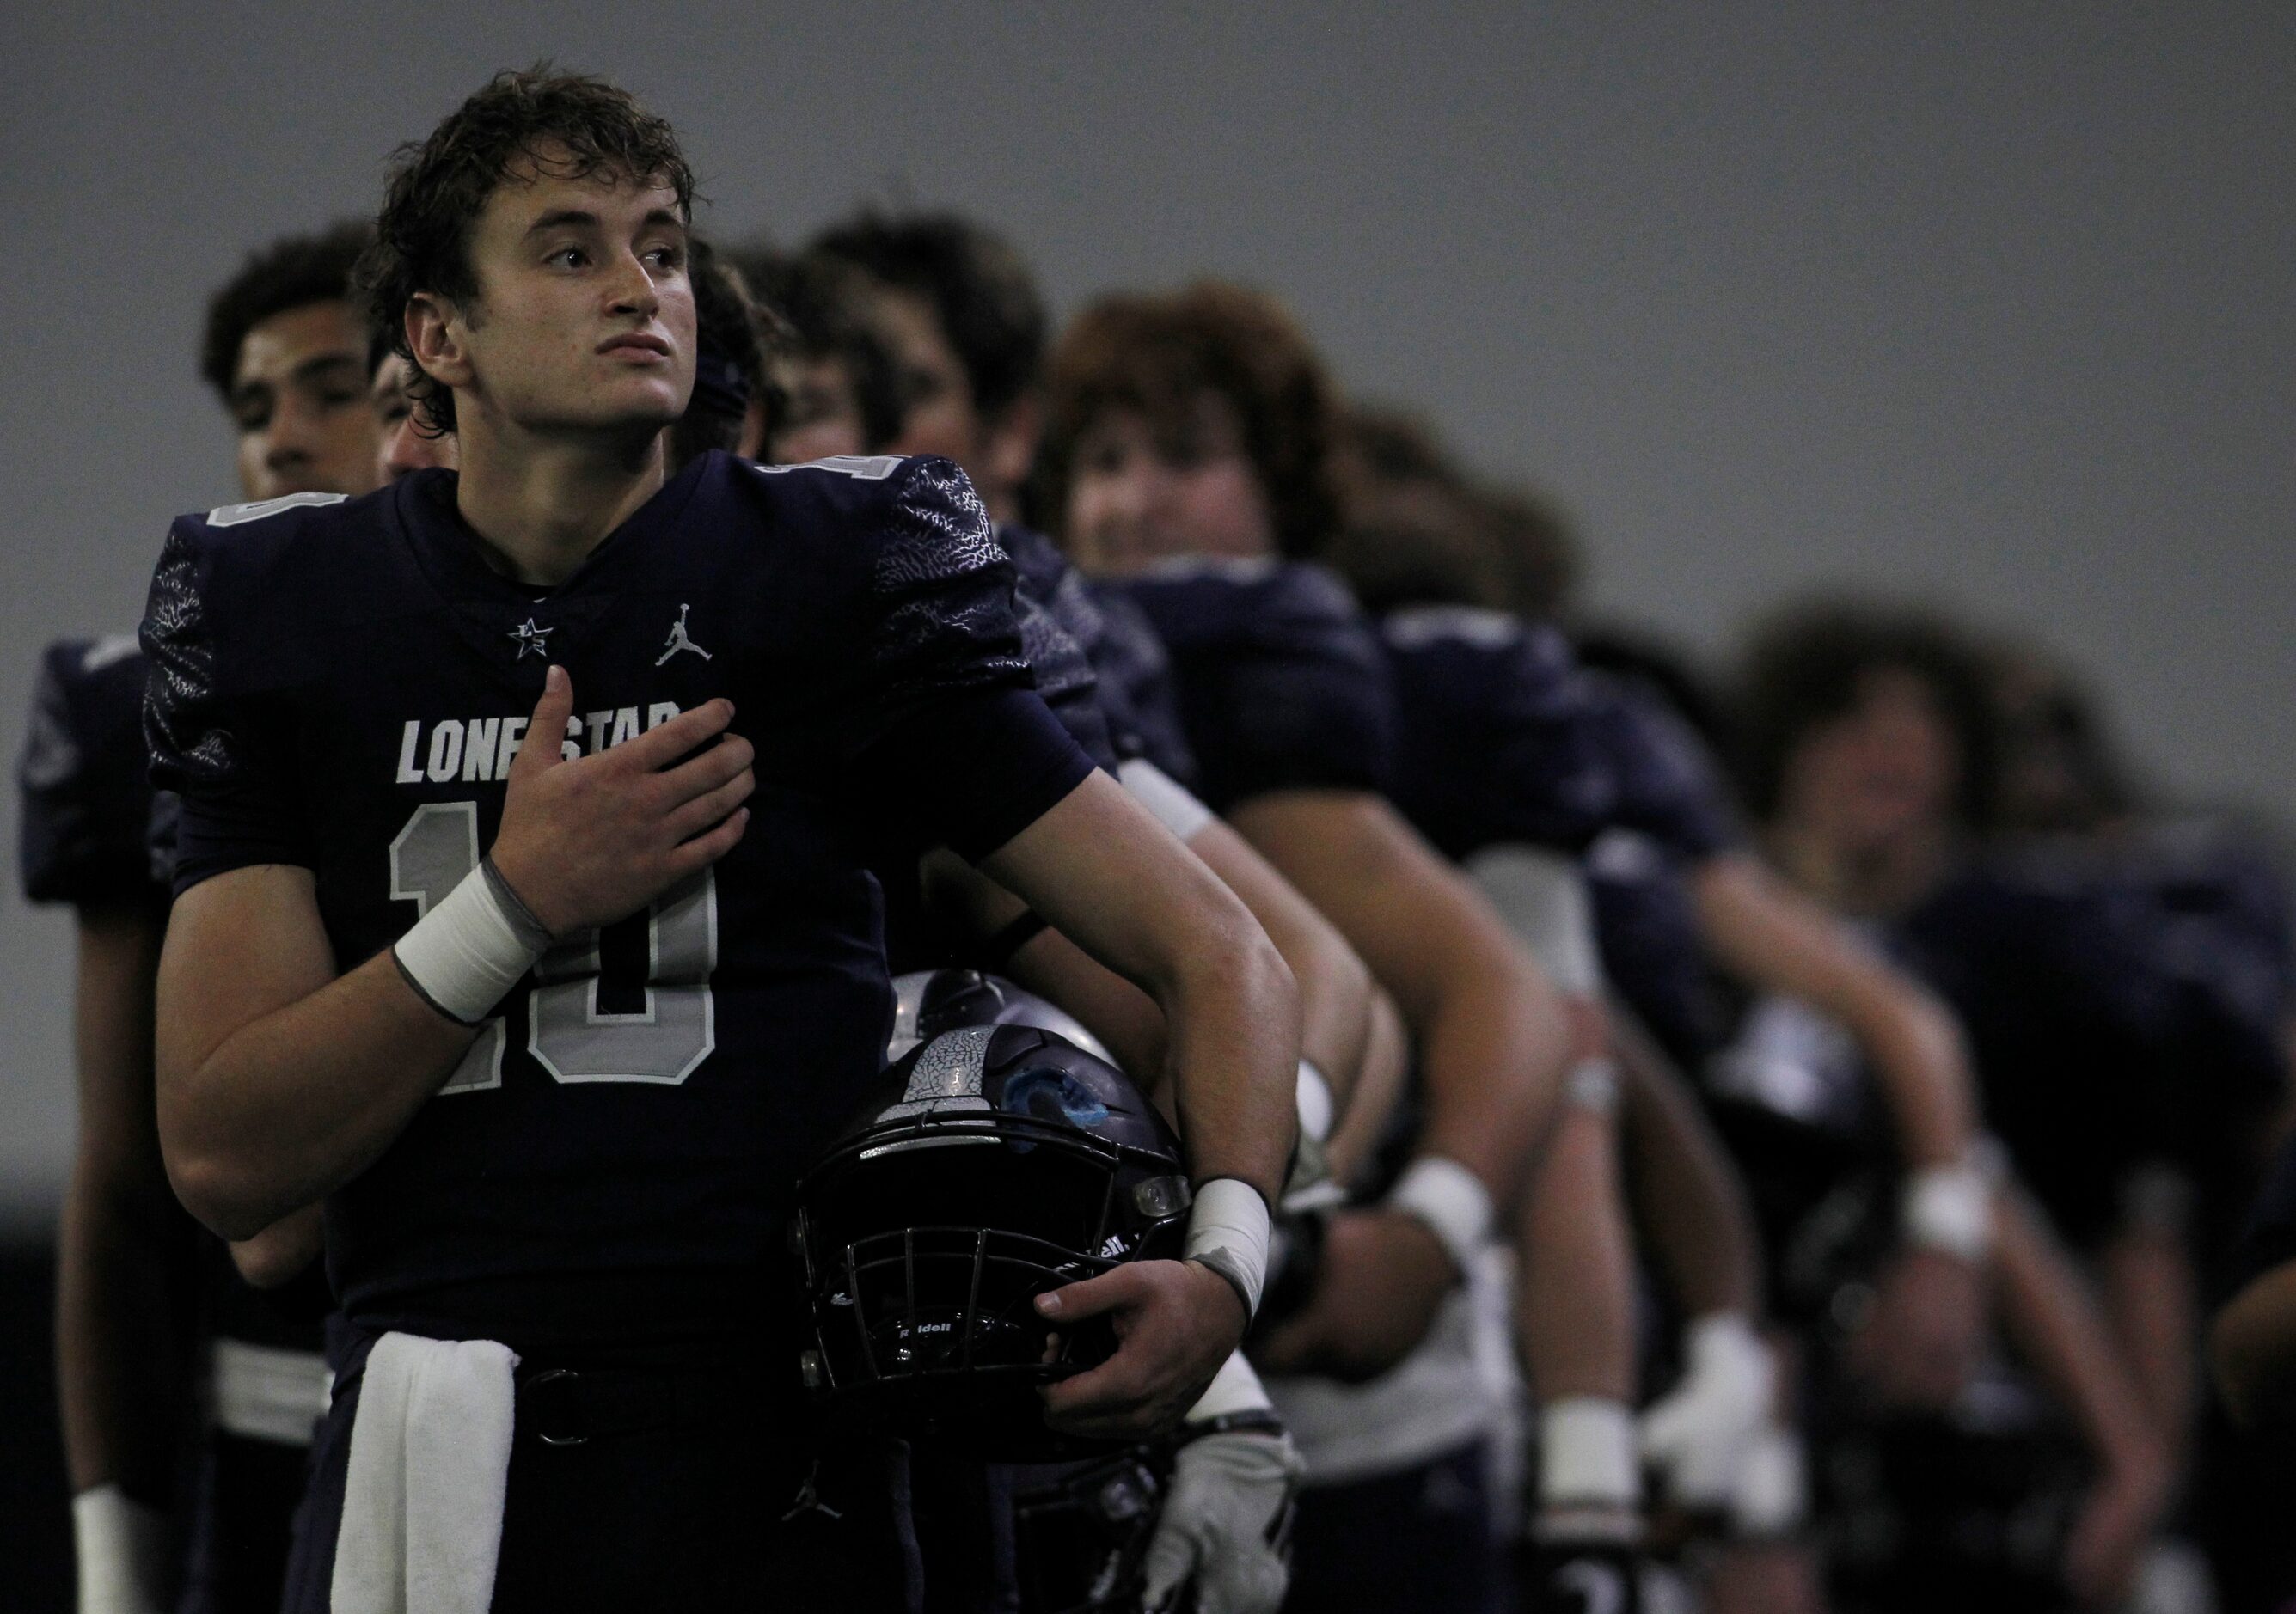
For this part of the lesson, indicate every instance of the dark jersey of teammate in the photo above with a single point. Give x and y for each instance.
(1280, 682)
(1134, 675)
(1504, 739)
(342, 686)
(87, 802)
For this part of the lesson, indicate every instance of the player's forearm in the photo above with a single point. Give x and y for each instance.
(1334, 987)
(2149, 1296)
(120, 1393)
(2057, 1325)
(295, 1102)
(1575, 1303)
(1686, 1195)
(1232, 1015)
(2252, 1348)
(1775, 939)
(1493, 1042)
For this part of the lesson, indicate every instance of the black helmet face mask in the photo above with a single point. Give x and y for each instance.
(992, 1163)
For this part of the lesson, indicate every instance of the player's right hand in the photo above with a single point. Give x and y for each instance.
(586, 842)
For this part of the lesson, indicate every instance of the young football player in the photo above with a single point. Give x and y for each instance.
(282, 351)
(567, 1376)
(1187, 457)
(1867, 751)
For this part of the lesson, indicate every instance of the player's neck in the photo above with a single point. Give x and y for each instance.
(540, 504)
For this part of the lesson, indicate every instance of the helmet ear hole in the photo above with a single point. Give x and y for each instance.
(991, 1164)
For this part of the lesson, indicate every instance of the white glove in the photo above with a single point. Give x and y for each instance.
(123, 1550)
(1226, 1523)
(1698, 1436)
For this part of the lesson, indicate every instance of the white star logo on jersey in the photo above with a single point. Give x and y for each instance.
(530, 639)
(678, 640)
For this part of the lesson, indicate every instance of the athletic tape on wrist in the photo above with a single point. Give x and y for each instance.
(1235, 1388)
(122, 1548)
(1314, 1100)
(1950, 1208)
(1164, 796)
(465, 954)
(1587, 1455)
(1228, 1231)
(1453, 1202)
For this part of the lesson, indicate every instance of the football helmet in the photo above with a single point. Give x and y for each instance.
(990, 1163)
(929, 1002)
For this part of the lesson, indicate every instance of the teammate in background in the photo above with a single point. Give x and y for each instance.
(1502, 762)
(1868, 760)
(958, 311)
(947, 268)
(568, 1235)
(1186, 457)
(285, 348)
(830, 368)
(140, 1342)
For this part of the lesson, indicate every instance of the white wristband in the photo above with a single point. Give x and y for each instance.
(1235, 1388)
(1950, 1208)
(1453, 1202)
(1314, 1097)
(1587, 1455)
(464, 954)
(1228, 1231)
(1164, 796)
(122, 1550)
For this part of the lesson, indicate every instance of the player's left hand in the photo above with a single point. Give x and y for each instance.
(1383, 1275)
(1226, 1524)
(1175, 1322)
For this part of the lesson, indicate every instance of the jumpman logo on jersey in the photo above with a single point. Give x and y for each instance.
(678, 640)
(530, 639)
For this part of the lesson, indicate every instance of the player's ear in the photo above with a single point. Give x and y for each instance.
(434, 331)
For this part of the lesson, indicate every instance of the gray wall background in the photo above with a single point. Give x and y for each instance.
(1982, 303)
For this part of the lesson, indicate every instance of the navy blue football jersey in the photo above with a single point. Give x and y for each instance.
(1050, 616)
(85, 799)
(1494, 744)
(1134, 675)
(1280, 680)
(343, 686)
(2070, 1021)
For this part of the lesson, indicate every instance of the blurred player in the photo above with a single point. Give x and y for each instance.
(1186, 459)
(282, 351)
(1868, 756)
(946, 263)
(560, 1245)
(830, 369)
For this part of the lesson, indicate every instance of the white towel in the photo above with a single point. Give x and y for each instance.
(422, 1504)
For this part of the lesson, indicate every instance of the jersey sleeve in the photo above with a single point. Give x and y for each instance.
(1283, 684)
(947, 727)
(1669, 786)
(213, 740)
(83, 797)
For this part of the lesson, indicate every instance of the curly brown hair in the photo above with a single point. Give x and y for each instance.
(1157, 352)
(1807, 664)
(568, 124)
